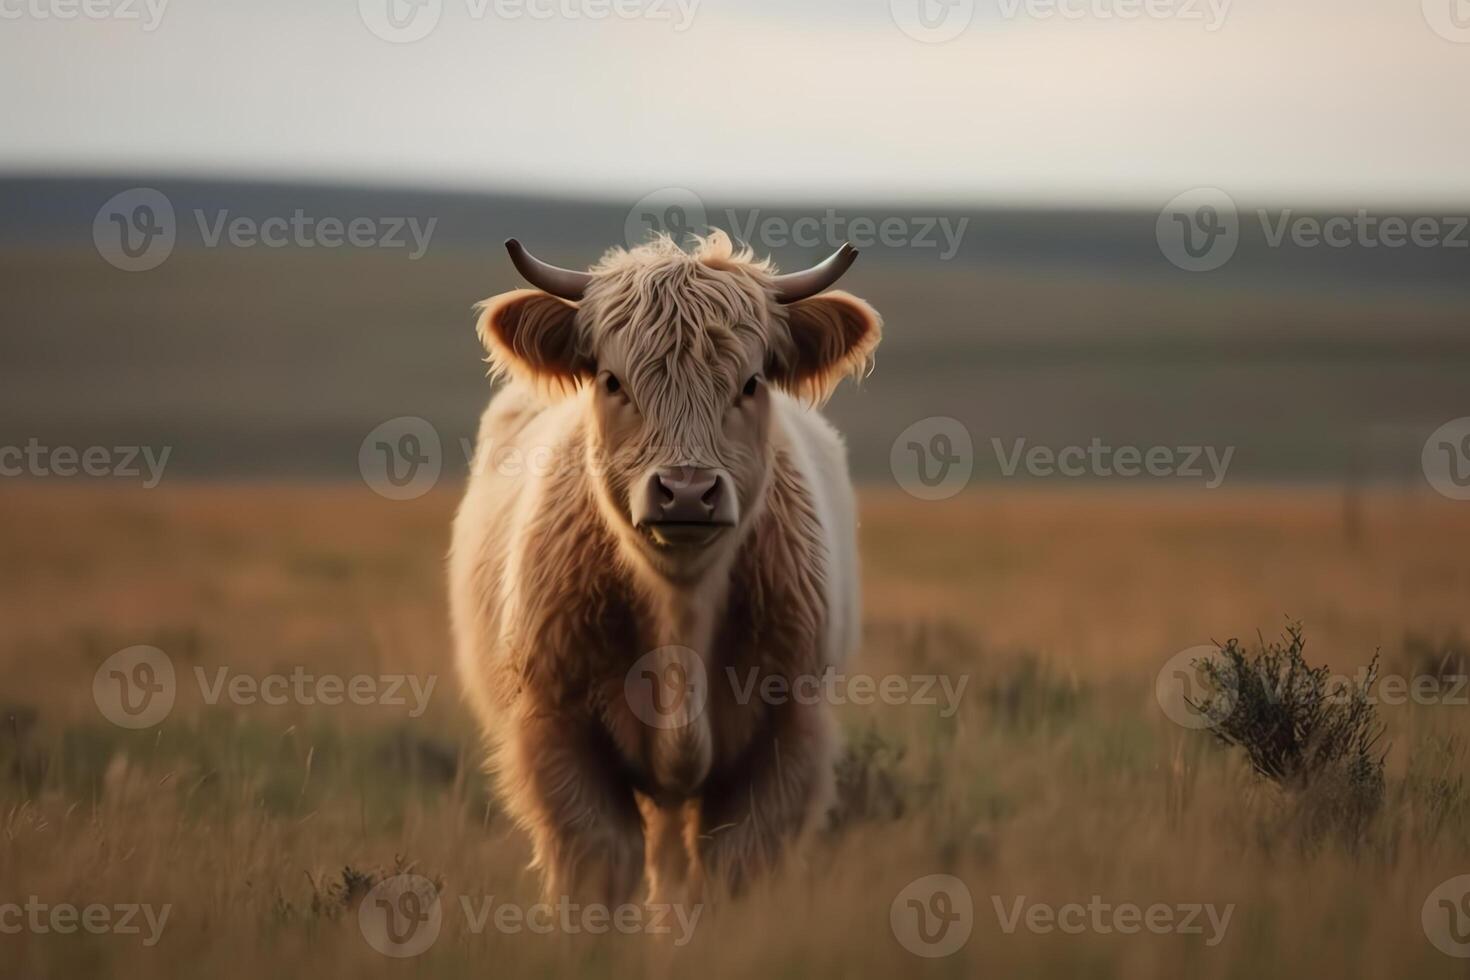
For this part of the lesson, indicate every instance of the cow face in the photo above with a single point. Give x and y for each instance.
(674, 357)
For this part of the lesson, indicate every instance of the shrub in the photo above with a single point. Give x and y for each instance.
(1444, 658)
(333, 895)
(870, 786)
(1027, 693)
(1296, 724)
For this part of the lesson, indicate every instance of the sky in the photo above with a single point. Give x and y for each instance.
(1092, 102)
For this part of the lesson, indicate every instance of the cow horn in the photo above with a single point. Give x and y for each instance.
(551, 278)
(799, 285)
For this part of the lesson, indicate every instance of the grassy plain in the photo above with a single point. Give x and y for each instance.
(1058, 779)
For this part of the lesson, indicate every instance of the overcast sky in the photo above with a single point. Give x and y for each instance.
(1352, 102)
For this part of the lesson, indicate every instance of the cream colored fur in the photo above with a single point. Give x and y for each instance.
(554, 597)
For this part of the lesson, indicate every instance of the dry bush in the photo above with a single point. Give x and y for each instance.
(1312, 734)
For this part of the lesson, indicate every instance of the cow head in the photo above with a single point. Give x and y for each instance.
(673, 355)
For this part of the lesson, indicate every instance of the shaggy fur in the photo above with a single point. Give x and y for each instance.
(556, 595)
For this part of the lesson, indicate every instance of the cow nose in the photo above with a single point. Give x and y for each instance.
(685, 495)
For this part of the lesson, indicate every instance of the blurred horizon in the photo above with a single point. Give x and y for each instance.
(1054, 326)
(1455, 203)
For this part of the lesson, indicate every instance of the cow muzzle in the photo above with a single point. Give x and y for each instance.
(684, 505)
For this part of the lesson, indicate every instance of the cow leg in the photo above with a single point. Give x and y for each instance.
(751, 816)
(668, 859)
(562, 783)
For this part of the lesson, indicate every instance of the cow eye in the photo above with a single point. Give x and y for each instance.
(611, 384)
(750, 386)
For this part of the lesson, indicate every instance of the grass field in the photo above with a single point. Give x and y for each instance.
(1058, 779)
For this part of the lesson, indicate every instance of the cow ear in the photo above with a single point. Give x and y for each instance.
(533, 335)
(833, 336)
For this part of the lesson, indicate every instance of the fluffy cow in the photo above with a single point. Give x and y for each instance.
(658, 533)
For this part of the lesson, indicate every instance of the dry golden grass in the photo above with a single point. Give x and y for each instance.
(1058, 779)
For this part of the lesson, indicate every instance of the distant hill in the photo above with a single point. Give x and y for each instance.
(1052, 326)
